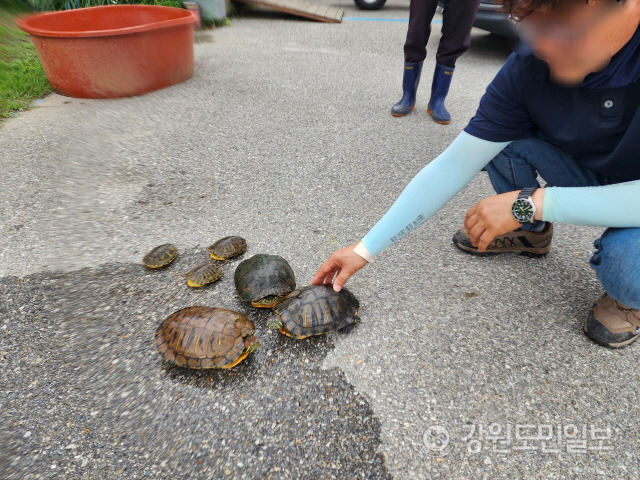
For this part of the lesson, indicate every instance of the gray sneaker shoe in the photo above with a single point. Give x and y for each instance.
(524, 242)
(612, 324)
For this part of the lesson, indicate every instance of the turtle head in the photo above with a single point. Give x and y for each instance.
(251, 343)
(267, 302)
(274, 321)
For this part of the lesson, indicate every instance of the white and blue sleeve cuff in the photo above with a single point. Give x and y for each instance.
(363, 252)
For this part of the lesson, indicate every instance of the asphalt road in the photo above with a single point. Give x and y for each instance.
(460, 367)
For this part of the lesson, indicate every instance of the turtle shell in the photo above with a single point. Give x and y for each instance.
(204, 274)
(160, 256)
(205, 337)
(264, 276)
(228, 247)
(315, 310)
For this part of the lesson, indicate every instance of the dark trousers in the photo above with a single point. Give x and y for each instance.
(457, 21)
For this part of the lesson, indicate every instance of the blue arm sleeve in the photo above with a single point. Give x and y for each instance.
(431, 188)
(616, 205)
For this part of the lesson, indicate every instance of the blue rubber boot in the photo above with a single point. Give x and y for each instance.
(439, 90)
(410, 82)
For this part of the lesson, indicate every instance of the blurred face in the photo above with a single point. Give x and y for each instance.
(580, 38)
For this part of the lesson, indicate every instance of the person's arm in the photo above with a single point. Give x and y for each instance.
(605, 206)
(431, 189)
(616, 205)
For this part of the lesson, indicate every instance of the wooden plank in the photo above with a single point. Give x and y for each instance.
(323, 11)
(303, 8)
(310, 10)
(313, 10)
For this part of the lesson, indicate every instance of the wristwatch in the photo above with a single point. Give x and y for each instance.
(523, 208)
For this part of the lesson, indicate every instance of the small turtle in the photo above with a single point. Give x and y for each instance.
(264, 280)
(206, 337)
(228, 247)
(204, 274)
(314, 310)
(160, 256)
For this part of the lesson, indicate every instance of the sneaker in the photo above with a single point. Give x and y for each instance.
(524, 242)
(612, 324)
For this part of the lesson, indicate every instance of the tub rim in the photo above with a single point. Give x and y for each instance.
(186, 18)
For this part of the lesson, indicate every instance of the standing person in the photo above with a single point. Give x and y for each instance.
(567, 109)
(457, 20)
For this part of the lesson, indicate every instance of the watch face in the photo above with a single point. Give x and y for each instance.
(522, 210)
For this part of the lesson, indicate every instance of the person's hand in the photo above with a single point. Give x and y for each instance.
(489, 218)
(344, 262)
(492, 216)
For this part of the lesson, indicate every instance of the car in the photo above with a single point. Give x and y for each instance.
(370, 4)
(490, 17)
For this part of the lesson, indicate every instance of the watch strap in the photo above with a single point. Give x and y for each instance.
(527, 192)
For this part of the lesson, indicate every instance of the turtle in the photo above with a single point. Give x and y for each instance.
(314, 310)
(204, 274)
(160, 256)
(206, 337)
(228, 247)
(264, 280)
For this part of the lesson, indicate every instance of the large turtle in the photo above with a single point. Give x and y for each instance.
(314, 310)
(228, 247)
(264, 280)
(160, 256)
(204, 274)
(206, 337)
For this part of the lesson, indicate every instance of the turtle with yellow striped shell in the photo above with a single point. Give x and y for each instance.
(160, 256)
(314, 310)
(206, 337)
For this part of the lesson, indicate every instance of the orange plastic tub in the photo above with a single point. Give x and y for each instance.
(113, 51)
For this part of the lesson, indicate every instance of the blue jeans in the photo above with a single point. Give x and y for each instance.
(617, 257)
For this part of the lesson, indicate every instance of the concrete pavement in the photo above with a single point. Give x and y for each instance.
(284, 136)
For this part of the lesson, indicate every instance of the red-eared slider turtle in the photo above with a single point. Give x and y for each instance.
(264, 280)
(160, 256)
(204, 274)
(228, 247)
(206, 337)
(314, 310)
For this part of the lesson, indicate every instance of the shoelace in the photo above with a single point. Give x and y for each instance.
(622, 306)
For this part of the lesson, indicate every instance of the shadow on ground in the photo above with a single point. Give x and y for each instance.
(85, 391)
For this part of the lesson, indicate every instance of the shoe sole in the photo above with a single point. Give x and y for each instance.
(602, 342)
(447, 122)
(402, 114)
(525, 253)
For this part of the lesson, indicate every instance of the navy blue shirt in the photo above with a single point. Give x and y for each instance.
(600, 128)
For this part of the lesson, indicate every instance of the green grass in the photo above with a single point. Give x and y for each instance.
(22, 78)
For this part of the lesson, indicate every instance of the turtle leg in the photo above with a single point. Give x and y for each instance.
(347, 328)
(274, 321)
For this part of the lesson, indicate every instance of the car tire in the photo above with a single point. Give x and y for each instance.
(370, 4)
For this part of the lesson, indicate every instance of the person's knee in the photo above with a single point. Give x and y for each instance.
(501, 162)
(617, 264)
(526, 147)
(516, 150)
(510, 159)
